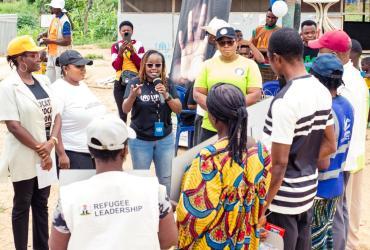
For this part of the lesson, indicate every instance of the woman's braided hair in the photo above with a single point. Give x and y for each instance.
(226, 103)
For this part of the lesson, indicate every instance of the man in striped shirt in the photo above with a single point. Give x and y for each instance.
(299, 128)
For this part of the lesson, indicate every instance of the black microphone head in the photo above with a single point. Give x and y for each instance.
(157, 80)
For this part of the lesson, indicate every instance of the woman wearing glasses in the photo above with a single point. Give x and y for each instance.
(78, 107)
(230, 68)
(151, 98)
(28, 109)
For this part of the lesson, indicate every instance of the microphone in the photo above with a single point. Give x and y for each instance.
(158, 81)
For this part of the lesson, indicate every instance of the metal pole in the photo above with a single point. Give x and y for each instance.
(173, 23)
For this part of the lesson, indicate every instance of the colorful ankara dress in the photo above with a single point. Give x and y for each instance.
(221, 200)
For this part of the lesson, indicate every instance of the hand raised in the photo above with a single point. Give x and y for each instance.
(193, 53)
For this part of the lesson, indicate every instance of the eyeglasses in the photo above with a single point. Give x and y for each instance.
(151, 65)
(224, 42)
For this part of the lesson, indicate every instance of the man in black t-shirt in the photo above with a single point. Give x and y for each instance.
(308, 33)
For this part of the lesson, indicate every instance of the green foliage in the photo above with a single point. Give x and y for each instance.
(93, 56)
(102, 19)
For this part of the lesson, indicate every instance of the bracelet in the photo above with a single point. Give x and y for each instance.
(54, 140)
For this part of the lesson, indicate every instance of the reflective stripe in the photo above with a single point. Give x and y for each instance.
(333, 174)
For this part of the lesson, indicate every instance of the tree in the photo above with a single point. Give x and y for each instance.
(86, 16)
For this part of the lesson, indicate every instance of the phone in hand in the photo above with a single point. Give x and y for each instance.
(127, 36)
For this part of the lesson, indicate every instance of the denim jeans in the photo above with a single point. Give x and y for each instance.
(160, 151)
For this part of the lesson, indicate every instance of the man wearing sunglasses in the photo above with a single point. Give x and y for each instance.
(228, 67)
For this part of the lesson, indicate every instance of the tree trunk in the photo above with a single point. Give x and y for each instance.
(86, 16)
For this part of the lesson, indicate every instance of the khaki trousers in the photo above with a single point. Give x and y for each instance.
(354, 203)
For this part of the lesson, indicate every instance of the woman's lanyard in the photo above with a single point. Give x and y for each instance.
(158, 126)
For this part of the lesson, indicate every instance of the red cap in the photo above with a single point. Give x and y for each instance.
(336, 40)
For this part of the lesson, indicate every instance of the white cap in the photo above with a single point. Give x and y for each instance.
(214, 25)
(110, 131)
(58, 4)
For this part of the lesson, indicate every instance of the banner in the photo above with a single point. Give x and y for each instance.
(191, 46)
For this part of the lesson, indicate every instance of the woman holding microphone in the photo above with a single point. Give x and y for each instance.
(151, 98)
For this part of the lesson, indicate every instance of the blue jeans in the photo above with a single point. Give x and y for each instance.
(160, 151)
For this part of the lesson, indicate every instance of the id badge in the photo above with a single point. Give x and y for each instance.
(158, 129)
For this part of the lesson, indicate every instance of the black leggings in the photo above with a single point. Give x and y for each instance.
(26, 195)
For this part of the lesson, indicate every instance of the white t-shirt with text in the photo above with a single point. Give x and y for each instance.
(78, 106)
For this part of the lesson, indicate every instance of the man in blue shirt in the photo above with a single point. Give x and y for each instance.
(328, 70)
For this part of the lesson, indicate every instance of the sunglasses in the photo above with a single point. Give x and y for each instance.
(228, 42)
(151, 65)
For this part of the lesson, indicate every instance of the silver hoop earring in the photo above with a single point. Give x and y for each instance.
(20, 68)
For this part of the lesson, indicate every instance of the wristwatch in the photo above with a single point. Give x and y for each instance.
(169, 98)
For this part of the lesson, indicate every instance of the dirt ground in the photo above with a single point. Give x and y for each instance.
(96, 76)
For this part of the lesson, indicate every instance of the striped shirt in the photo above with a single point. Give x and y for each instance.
(298, 116)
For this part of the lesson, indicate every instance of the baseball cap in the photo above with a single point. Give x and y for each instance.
(57, 4)
(110, 131)
(72, 57)
(22, 44)
(226, 32)
(214, 25)
(336, 40)
(326, 65)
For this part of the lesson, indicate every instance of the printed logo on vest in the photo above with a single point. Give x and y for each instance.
(110, 208)
(85, 210)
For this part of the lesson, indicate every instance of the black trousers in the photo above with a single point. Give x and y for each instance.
(119, 92)
(26, 195)
(80, 160)
(297, 229)
(205, 134)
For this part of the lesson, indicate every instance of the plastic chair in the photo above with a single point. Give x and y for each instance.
(270, 88)
(181, 127)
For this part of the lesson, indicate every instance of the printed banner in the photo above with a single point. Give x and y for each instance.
(191, 47)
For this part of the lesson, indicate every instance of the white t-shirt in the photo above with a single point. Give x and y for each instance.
(298, 116)
(356, 91)
(78, 106)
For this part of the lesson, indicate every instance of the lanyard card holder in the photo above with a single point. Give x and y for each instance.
(158, 129)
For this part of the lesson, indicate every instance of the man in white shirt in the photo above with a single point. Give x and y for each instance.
(355, 90)
(112, 210)
(299, 127)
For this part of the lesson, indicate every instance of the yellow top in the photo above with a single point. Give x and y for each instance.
(243, 73)
(221, 200)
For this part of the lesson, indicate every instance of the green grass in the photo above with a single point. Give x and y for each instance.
(93, 56)
(14, 7)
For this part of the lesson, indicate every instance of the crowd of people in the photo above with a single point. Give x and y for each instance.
(304, 176)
